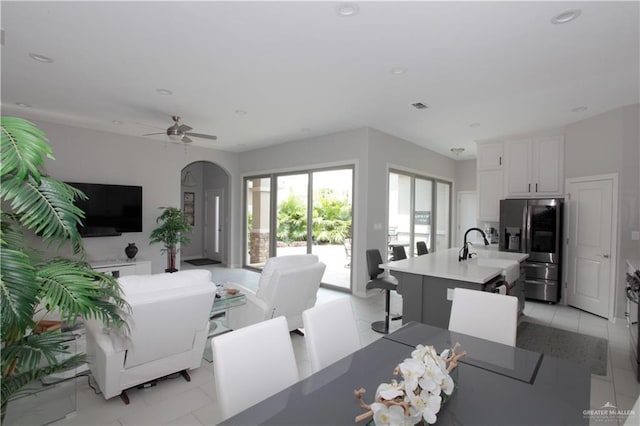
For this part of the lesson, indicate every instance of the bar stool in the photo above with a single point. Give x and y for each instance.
(422, 248)
(386, 283)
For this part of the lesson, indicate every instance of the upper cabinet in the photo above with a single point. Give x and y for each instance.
(490, 180)
(534, 167)
(490, 155)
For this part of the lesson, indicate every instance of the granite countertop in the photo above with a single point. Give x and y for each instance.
(444, 264)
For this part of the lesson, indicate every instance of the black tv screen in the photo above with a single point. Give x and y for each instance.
(110, 209)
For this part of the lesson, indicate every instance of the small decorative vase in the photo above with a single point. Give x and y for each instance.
(131, 250)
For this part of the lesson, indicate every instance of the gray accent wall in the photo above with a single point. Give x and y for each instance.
(84, 155)
(466, 176)
(610, 143)
(371, 152)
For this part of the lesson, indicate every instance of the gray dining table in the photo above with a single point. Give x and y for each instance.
(495, 385)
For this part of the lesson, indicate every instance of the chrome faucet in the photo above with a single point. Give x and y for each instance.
(463, 254)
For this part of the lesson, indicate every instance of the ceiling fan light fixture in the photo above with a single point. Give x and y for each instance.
(175, 137)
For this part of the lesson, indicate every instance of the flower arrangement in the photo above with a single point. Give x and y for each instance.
(419, 396)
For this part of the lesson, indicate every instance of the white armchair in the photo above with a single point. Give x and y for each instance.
(169, 325)
(288, 285)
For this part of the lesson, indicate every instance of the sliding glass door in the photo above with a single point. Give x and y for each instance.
(417, 212)
(310, 213)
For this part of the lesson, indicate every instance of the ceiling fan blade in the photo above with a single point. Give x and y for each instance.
(153, 134)
(184, 128)
(186, 139)
(202, 135)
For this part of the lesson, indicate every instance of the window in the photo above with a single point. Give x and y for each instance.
(419, 210)
(312, 212)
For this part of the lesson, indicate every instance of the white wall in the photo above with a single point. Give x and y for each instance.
(466, 175)
(610, 143)
(90, 156)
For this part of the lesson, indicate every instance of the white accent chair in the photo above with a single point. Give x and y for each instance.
(169, 324)
(486, 315)
(288, 285)
(330, 332)
(252, 364)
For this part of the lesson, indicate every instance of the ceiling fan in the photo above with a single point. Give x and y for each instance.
(180, 132)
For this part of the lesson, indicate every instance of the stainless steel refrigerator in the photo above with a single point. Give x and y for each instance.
(534, 226)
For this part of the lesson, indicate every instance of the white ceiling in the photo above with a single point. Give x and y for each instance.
(298, 69)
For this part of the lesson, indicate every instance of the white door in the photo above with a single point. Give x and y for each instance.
(591, 207)
(467, 213)
(214, 223)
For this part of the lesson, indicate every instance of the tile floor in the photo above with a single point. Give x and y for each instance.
(177, 402)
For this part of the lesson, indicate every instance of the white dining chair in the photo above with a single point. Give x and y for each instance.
(486, 315)
(330, 332)
(252, 363)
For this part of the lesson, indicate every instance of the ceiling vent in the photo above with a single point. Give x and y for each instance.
(419, 105)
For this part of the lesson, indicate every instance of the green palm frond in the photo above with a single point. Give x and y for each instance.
(45, 207)
(23, 148)
(18, 292)
(28, 353)
(78, 291)
(11, 385)
(28, 279)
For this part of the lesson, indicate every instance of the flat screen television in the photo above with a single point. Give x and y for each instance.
(109, 210)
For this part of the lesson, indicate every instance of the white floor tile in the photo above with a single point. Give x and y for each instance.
(178, 402)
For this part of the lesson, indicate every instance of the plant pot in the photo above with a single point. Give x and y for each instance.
(171, 260)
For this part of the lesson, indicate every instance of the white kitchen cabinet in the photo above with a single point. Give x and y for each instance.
(534, 167)
(490, 155)
(490, 180)
(123, 268)
(490, 192)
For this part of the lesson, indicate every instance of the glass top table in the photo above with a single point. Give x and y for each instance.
(226, 301)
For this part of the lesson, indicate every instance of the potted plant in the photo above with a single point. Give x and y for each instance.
(173, 230)
(37, 213)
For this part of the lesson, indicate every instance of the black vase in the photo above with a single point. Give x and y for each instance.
(131, 250)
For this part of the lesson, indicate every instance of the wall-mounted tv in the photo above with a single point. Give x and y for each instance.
(109, 210)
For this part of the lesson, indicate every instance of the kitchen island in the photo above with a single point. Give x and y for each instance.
(426, 282)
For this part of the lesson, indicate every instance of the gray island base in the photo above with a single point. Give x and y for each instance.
(426, 282)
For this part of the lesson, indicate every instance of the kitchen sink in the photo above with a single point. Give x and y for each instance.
(510, 268)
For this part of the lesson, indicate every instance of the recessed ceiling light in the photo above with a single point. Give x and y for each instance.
(40, 58)
(474, 125)
(117, 122)
(579, 109)
(164, 92)
(241, 112)
(23, 105)
(347, 9)
(566, 16)
(457, 151)
(398, 70)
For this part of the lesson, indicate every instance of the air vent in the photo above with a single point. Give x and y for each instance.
(419, 105)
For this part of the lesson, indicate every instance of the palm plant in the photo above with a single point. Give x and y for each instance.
(38, 212)
(173, 230)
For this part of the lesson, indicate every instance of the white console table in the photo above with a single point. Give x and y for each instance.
(120, 268)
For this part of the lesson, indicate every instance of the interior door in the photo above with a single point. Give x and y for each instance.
(214, 224)
(590, 206)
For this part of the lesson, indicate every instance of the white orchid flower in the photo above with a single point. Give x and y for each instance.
(390, 391)
(412, 370)
(426, 404)
(391, 416)
(447, 385)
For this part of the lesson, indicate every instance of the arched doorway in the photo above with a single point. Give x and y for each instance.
(205, 189)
